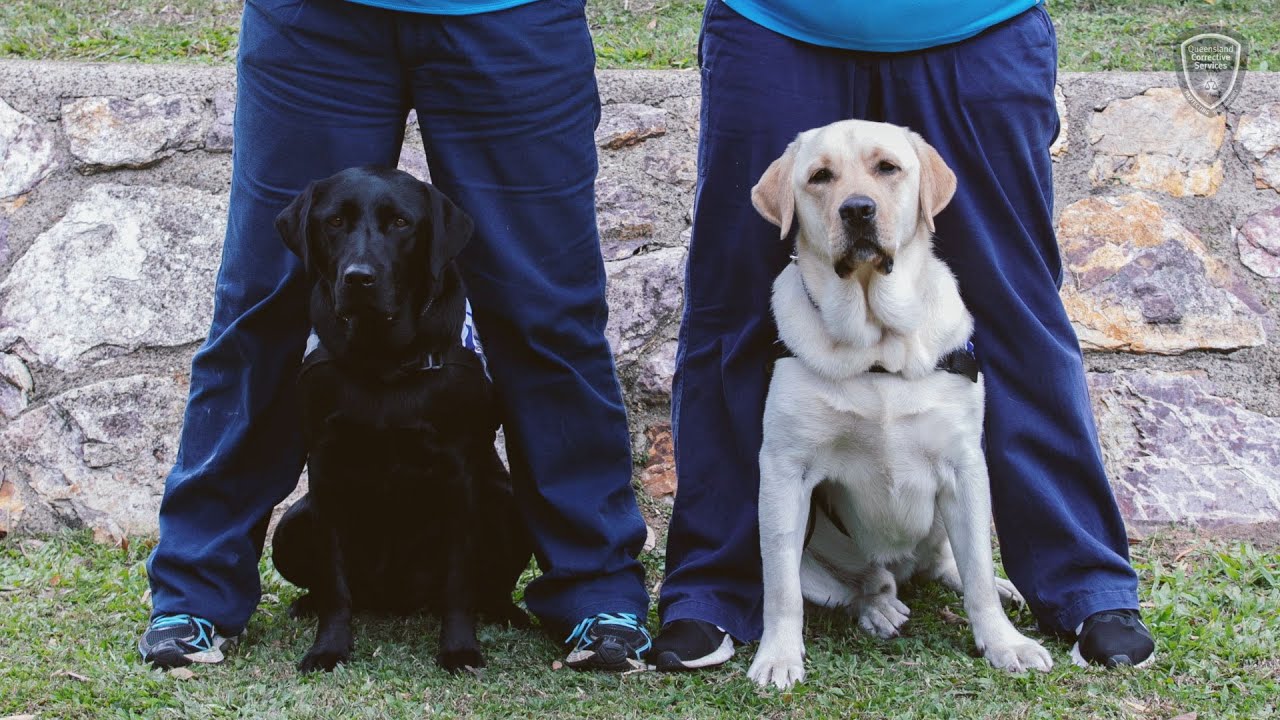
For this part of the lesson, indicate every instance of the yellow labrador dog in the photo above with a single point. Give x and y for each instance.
(871, 471)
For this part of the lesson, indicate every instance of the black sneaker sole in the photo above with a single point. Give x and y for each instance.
(167, 657)
(595, 662)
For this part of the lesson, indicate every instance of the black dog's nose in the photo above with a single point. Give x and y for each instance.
(361, 275)
(857, 208)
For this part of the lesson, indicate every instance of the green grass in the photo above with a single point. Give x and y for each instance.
(70, 611)
(1144, 35)
(1093, 34)
(660, 34)
(147, 30)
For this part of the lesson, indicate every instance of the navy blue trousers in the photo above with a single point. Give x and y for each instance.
(987, 105)
(507, 103)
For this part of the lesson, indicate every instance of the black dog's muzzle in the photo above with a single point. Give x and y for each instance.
(363, 292)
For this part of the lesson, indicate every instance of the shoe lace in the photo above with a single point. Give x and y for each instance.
(626, 620)
(204, 628)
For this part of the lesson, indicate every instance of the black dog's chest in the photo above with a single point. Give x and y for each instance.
(450, 402)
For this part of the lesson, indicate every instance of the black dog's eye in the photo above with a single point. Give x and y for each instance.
(336, 221)
(886, 168)
(821, 175)
(400, 222)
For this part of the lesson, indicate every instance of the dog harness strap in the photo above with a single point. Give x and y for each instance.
(315, 354)
(961, 361)
(318, 354)
(819, 502)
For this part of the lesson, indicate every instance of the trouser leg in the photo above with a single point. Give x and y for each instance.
(316, 93)
(508, 105)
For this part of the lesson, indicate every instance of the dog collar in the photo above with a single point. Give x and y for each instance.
(805, 286)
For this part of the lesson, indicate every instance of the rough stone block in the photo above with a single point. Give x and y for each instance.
(1157, 141)
(1138, 281)
(127, 267)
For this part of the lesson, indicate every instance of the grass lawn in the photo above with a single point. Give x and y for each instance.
(1093, 34)
(70, 612)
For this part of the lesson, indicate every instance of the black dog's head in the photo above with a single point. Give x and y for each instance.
(374, 242)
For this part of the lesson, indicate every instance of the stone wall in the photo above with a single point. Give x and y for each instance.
(113, 184)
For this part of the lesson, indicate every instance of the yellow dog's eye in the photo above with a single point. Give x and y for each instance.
(821, 175)
(401, 222)
(336, 221)
(886, 168)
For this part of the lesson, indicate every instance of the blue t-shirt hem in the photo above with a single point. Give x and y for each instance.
(757, 12)
(443, 7)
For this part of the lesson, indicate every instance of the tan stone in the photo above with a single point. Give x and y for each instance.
(126, 267)
(1138, 281)
(1060, 144)
(27, 152)
(625, 124)
(1157, 141)
(1258, 240)
(11, 506)
(645, 294)
(1259, 134)
(15, 386)
(95, 456)
(659, 475)
(111, 132)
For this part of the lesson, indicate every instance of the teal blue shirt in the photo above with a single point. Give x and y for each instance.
(879, 25)
(445, 7)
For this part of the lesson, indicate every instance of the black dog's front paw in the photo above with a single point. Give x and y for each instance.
(455, 660)
(323, 658)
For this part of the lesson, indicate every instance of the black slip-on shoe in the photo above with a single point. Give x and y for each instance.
(690, 645)
(1113, 638)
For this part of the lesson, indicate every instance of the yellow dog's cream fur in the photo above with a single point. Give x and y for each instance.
(898, 453)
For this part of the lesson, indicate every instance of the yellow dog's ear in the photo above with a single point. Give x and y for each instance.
(774, 197)
(937, 182)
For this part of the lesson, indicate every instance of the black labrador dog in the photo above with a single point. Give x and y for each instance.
(409, 507)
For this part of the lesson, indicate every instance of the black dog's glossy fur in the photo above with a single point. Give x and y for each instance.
(409, 508)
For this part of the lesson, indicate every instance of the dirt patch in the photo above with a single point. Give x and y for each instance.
(1263, 536)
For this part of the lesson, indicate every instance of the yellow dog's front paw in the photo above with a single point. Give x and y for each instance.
(777, 666)
(1017, 653)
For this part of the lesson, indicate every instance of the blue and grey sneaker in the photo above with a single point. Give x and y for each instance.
(609, 641)
(177, 640)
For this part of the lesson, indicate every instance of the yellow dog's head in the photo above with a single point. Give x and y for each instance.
(858, 190)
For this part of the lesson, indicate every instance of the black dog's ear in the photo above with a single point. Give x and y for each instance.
(291, 223)
(451, 229)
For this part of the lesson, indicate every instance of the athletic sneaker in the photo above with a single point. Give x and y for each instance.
(1113, 638)
(177, 640)
(690, 645)
(608, 641)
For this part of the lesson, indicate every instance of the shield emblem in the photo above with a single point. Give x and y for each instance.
(1210, 68)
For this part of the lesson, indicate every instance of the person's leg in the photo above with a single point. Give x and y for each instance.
(507, 103)
(759, 90)
(987, 105)
(317, 92)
